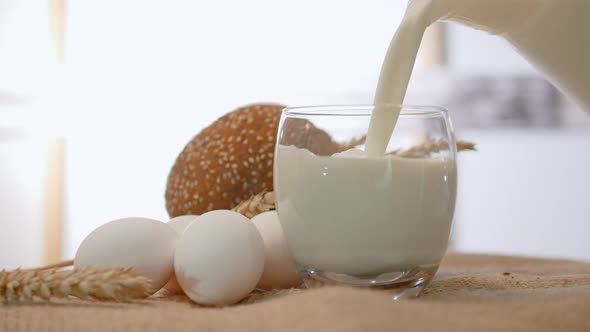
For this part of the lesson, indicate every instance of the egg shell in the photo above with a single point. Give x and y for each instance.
(279, 268)
(178, 224)
(146, 245)
(219, 258)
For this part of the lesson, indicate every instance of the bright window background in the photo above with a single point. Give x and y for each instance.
(147, 76)
(23, 36)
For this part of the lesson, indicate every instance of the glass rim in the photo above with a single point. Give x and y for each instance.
(364, 110)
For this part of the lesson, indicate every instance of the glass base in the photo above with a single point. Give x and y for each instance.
(407, 283)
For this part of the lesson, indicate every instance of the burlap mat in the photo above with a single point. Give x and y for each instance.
(470, 293)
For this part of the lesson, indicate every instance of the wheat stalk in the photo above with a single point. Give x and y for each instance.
(417, 151)
(53, 266)
(424, 149)
(88, 283)
(262, 202)
(351, 144)
(256, 296)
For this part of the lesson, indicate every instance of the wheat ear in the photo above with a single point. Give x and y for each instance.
(262, 202)
(424, 149)
(88, 283)
(52, 266)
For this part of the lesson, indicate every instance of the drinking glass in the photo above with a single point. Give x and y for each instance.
(366, 221)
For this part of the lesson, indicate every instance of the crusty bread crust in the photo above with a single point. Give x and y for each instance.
(226, 163)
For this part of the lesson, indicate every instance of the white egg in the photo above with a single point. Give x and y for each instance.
(279, 268)
(219, 258)
(179, 224)
(144, 244)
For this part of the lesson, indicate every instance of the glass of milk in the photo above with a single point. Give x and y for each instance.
(375, 222)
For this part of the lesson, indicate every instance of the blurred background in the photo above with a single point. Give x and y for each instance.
(97, 98)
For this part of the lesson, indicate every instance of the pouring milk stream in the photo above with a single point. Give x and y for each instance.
(551, 34)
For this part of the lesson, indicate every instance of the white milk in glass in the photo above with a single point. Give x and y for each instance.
(364, 216)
